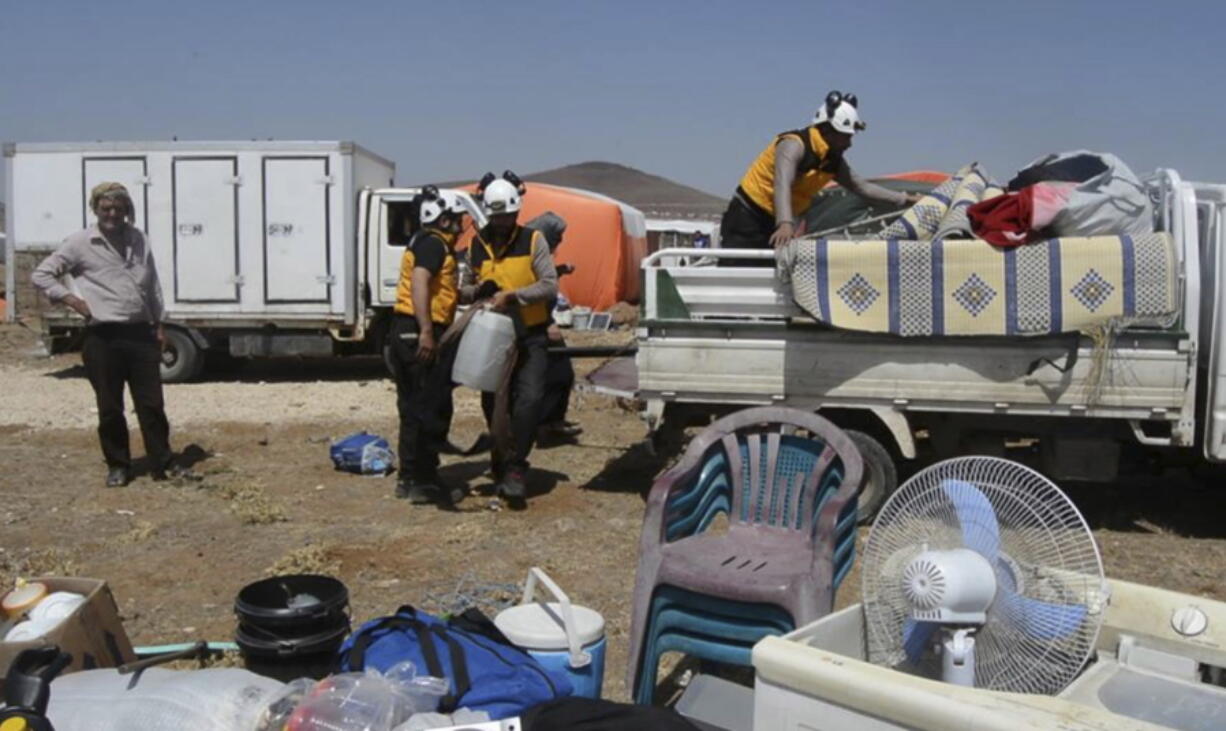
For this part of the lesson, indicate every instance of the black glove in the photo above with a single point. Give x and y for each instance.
(486, 289)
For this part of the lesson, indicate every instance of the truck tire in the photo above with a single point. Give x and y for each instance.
(880, 474)
(182, 359)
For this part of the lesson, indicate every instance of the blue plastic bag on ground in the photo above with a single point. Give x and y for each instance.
(363, 454)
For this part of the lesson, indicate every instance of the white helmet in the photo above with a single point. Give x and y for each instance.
(501, 196)
(840, 111)
(435, 203)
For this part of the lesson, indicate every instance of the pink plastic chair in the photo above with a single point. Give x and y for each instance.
(787, 480)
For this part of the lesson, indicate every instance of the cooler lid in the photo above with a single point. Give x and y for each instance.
(538, 626)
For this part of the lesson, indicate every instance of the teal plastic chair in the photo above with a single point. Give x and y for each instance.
(787, 481)
(704, 626)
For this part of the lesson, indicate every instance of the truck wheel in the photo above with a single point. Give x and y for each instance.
(181, 360)
(880, 474)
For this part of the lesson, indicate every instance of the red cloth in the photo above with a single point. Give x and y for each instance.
(1019, 218)
(1003, 220)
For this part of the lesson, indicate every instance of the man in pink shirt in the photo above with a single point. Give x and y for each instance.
(118, 294)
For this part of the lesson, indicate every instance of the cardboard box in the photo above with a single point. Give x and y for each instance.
(93, 634)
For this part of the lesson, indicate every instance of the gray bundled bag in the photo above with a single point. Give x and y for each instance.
(551, 225)
(1110, 201)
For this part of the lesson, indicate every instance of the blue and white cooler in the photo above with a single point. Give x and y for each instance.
(561, 636)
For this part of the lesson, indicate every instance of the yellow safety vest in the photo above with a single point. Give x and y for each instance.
(817, 168)
(444, 287)
(510, 267)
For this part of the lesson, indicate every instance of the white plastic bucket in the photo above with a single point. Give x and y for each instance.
(563, 637)
(484, 350)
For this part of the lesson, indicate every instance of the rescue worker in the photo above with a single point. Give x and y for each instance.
(511, 265)
(426, 299)
(559, 373)
(780, 183)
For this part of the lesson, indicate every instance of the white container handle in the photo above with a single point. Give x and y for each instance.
(578, 658)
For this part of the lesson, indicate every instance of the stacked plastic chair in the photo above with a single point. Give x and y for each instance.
(787, 481)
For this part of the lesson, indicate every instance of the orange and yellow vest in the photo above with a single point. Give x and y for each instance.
(444, 286)
(816, 170)
(510, 267)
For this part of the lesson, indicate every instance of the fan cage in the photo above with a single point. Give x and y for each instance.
(1046, 549)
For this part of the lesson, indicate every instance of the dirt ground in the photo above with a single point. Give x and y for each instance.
(175, 555)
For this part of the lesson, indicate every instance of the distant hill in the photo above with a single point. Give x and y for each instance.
(652, 194)
(655, 196)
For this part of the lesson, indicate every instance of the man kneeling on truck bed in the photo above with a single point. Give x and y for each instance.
(781, 182)
(426, 300)
(512, 265)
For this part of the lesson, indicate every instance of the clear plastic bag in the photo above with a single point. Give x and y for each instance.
(369, 701)
(216, 699)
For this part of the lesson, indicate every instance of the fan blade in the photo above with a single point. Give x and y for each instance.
(980, 530)
(1039, 619)
(916, 636)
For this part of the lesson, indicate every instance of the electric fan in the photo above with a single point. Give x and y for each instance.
(981, 572)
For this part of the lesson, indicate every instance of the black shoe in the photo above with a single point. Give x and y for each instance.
(563, 429)
(513, 486)
(445, 493)
(117, 477)
(450, 495)
(417, 493)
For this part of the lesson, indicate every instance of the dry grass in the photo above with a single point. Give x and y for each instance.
(28, 564)
(141, 531)
(227, 659)
(314, 559)
(250, 503)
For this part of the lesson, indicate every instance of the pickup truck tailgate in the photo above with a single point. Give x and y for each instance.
(618, 377)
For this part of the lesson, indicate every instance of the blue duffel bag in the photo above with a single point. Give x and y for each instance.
(485, 671)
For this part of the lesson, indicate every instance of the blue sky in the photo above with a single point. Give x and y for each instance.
(688, 90)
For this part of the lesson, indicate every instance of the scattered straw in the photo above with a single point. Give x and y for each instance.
(28, 564)
(227, 659)
(141, 531)
(306, 560)
(250, 503)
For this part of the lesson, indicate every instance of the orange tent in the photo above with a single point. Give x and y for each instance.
(605, 240)
(916, 176)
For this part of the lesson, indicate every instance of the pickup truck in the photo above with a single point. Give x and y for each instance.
(711, 339)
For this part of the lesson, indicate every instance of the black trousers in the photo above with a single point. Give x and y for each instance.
(115, 354)
(527, 398)
(423, 400)
(743, 227)
(559, 380)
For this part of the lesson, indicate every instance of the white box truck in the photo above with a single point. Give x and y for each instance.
(263, 248)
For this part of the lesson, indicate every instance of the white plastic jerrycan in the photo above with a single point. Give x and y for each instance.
(484, 350)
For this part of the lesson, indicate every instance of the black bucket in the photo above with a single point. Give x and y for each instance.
(291, 626)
